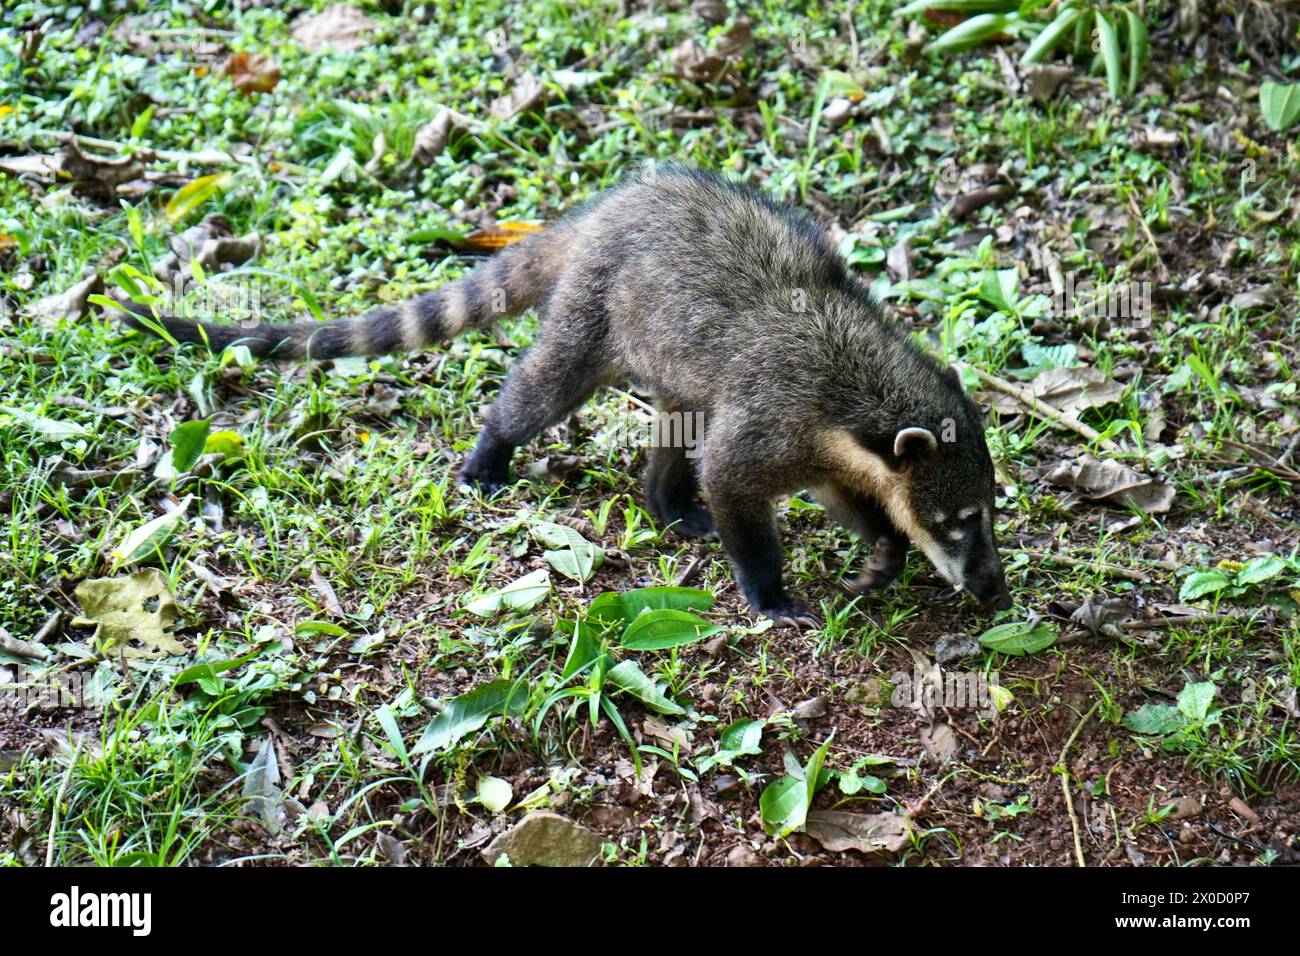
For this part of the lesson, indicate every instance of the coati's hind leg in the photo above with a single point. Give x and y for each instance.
(671, 485)
(863, 516)
(548, 382)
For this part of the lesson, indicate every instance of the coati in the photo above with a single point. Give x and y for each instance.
(724, 305)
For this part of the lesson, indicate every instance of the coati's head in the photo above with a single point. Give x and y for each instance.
(935, 481)
(942, 499)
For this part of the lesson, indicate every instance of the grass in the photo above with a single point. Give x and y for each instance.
(347, 470)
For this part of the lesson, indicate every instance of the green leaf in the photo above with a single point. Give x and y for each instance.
(629, 677)
(1110, 54)
(970, 32)
(1280, 104)
(49, 428)
(188, 441)
(1155, 720)
(1052, 36)
(1195, 699)
(312, 628)
(741, 738)
(784, 804)
(224, 442)
(209, 669)
(1138, 44)
(1200, 583)
(957, 6)
(388, 721)
(584, 651)
(469, 712)
(1019, 637)
(518, 595)
(579, 558)
(622, 607)
(664, 628)
(195, 193)
(1258, 570)
(148, 539)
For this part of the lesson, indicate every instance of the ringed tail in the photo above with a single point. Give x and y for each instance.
(516, 278)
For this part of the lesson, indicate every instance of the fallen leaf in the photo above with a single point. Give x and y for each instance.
(501, 235)
(543, 838)
(67, 306)
(837, 831)
(1114, 483)
(339, 25)
(1069, 389)
(431, 138)
(251, 72)
(262, 788)
(527, 94)
(136, 611)
(939, 741)
(96, 176)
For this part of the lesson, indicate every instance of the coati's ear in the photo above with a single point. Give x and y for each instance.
(912, 443)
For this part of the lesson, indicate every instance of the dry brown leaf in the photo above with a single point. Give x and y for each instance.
(431, 138)
(340, 25)
(1114, 483)
(501, 235)
(67, 306)
(251, 72)
(528, 93)
(837, 831)
(135, 612)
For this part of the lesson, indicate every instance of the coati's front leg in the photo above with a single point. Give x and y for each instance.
(742, 509)
(671, 485)
(863, 516)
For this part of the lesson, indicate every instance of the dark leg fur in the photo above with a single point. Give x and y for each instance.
(548, 382)
(671, 485)
(868, 519)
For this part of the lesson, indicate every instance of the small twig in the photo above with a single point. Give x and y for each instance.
(1065, 782)
(692, 572)
(206, 157)
(58, 801)
(1113, 570)
(1151, 240)
(1179, 620)
(1042, 409)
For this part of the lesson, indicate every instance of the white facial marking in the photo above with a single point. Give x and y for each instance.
(956, 535)
(869, 474)
(966, 513)
(940, 517)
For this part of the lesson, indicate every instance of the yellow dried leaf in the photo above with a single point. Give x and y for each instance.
(501, 235)
(251, 72)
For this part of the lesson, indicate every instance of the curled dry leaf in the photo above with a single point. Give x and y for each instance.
(67, 306)
(431, 138)
(527, 94)
(837, 831)
(340, 25)
(251, 72)
(1113, 483)
(136, 611)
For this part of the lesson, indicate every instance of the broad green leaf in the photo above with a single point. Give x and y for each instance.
(584, 650)
(664, 628)
(573, 555)
(741, 738)
(518, 595)
(224, 442)
(784, 804)
(312, 628)
(1052, 36)
(1110, 54)
(1280, 104)
(1195, 699)
(629, 677)
(1019, 637)
(1258, 570)
(622, 607)
(187, 441)
(1155, 720)
(469, 712)
(148, 539)
(1200, 583)
(209, 669)
(958, 6)
(195, 193)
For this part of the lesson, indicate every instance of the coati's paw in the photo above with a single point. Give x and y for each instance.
(872, 579)
(694, 521)
(487, 485)
(793, 614)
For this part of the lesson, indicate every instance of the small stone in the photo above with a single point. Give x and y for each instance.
(543, 838)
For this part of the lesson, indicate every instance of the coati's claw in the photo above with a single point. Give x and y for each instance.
(792, 614)
(870, 580)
